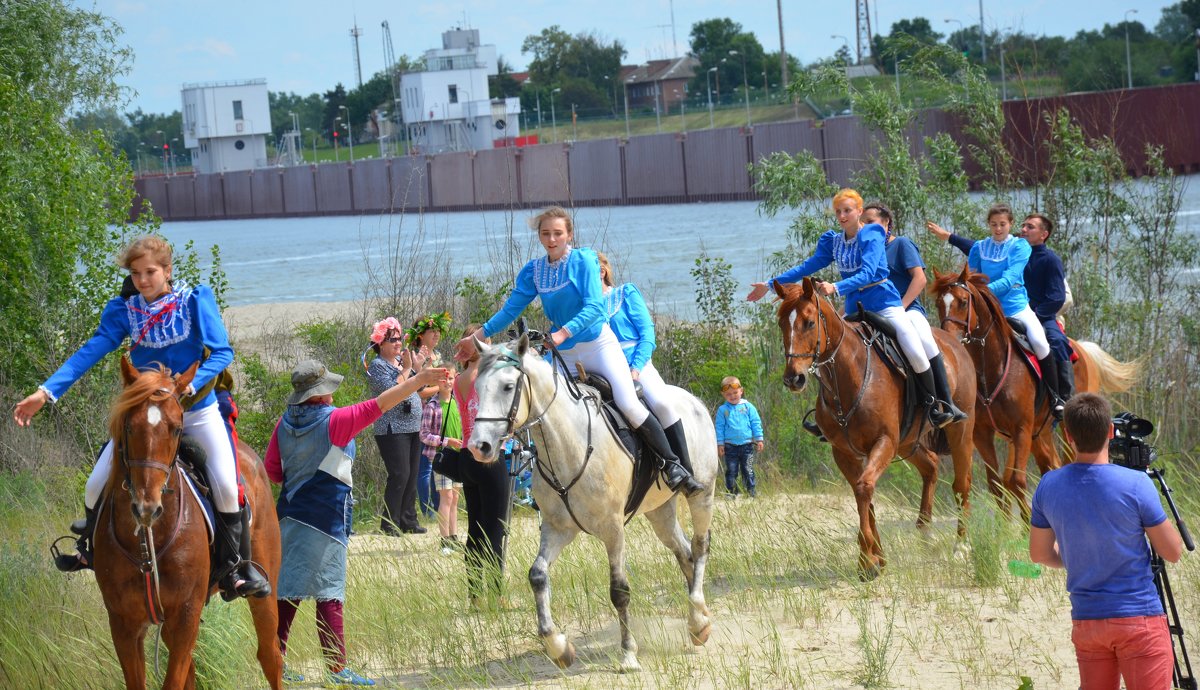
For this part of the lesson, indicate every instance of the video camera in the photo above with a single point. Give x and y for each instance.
(1128, 447)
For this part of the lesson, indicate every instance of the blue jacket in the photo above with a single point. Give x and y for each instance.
(570, 291)
(630, 320)
(862, 263)
(317, 482)
(1004, 263)
(1045, 278)
(173, 332)
(738, 424)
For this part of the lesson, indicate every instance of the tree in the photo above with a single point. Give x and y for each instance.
(65, 192)
(503, 85)
(334, 99)
(918, 32)
(714, 42)
(579, 65)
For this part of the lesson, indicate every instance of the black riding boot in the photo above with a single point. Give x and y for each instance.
(678, 477)
(82, 560)
(1066, 380)
(239, 577)
(812, 428)
(678, 441)
(938, 415)
(942, 389)
(1049, 367)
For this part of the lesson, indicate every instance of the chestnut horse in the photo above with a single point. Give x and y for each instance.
(860, 405)
(1007, 388)
(151, 546)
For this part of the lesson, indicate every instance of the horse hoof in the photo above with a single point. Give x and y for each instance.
(701, 636)
(870, 573)
(567, 658)
(629, 664)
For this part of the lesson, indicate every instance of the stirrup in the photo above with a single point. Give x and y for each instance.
(681, 479)
(73, 562)
(250, 583)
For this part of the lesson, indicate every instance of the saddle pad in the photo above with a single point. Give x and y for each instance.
(645, 470)
(206, 506)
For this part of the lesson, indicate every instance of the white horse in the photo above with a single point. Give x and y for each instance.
(582, 479)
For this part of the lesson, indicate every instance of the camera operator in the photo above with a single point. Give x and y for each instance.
(1092, 518)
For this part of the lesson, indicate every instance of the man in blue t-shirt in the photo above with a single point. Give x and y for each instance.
(1093, 518)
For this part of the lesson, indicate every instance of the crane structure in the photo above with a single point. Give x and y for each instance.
(863, 30)
(389, 60)
(354, 34)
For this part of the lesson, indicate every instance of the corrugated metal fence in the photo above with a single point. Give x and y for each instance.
(704, 165)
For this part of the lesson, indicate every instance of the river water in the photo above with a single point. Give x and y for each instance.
(655, 247)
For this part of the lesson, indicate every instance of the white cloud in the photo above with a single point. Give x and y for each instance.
(209, 46)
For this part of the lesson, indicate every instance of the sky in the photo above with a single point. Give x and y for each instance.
(305, 47)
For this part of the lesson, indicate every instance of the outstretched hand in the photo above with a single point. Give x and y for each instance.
(433, 376)
(757, 290)
(27, 408)
(464, 349)
(937, 230)
(827, 289)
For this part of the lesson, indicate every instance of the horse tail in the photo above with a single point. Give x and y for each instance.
(1115, 376)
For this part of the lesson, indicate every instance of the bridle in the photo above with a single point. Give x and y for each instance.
(987, 395)
(506, 358)
(147, 561)
(968, 336)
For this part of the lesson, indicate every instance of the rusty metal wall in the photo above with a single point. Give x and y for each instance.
(495, 172)
(239, 200)
(210, 202)
(154, 191)
(333, 188)
(848, 147)
(410, 183)
(267, 189)
(788, 137)
(654, 169)
(372, 186)
(298, 190)
(716, 161)
(181, 197)
(545, 175)
(452, 180)
(596, 171)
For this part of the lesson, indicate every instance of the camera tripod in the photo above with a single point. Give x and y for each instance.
(1182, 676)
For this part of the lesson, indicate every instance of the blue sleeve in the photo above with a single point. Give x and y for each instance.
(379, 377)
(821, 258)
(973, 260)
(908, 256)
(522, 294)
(1037, 517)
(1056, 292)
(113, 328)
(586, 276)
(212, 334)
(756, 430)
(1149, 506)
(874, 259)
(961, 243)
(639, 314)
(721, 416)
(1014, 272)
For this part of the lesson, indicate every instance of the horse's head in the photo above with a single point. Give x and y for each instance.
(959, 300)
(504, 389)
(804, 327)
(146, 423)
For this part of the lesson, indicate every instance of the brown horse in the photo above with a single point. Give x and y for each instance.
(859, 409)
(1007, 388)
(151, 544)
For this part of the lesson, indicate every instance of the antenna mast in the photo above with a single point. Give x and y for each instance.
(863, 28)
(354, 34)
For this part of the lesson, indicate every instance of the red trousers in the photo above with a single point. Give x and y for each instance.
(1138, 649)
(329, 629)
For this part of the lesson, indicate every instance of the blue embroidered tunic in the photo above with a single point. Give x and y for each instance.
(630, 320)
(314, 506)
(903, 256)
(570, 292)
(862, 263)
(1004, 263)
(172, 331)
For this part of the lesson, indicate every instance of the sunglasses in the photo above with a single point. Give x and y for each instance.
(393, 340)
(731, 387)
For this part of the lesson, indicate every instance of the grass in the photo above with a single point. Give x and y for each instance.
(789, 609)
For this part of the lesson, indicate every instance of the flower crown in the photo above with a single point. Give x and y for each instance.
(440, 322)
(381, 328)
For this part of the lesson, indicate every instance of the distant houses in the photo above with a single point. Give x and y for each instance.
(226, 124)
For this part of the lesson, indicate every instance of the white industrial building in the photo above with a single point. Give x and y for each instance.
(226, 124)
(446, 107)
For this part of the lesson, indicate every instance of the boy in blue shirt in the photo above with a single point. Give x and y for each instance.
(739, 435)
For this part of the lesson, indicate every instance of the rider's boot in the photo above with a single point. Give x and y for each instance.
(1066, 380)
(942, 389)
(239, 577)
(679, 446)
(1049, 367)
(82, 559)
(811, 427)
(678, 477)
(938, 415)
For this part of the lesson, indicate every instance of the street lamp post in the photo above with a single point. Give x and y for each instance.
(1003, 76)
(553, 115)
(745, 86)
(982, 36)
(849, 100)
(960, 28)
(657, 109)
(314, 137)
(574, 124)
(625, 88)
(1128, 62)
(164, 150)
(682, 110)
(349, 132)
(708, 82)
(175, 143)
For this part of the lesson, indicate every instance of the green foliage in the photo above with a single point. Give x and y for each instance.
(583, 65)
(480, 300)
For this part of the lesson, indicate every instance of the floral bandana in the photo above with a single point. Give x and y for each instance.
(380, 329)
(439, 322)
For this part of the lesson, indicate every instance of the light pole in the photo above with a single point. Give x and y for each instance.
(175, 143)
(960, 28)
(708, 82)
(164, 150)
(1003, 76)
(745, 85)
(314, 137)
(682, 110)
(1128, 63)
(349, 132)
(574, 124)
(849, 101)
(613, 84)
(982, 39)
(657, 109)
(553, 116)
(625, 88)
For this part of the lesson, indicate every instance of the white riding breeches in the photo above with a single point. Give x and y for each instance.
(605, 357)
(1035, 331)
(914, 335)
(655, 391)
(206, 426)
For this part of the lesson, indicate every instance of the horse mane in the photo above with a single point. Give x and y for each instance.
(980, 281)
(149, 385)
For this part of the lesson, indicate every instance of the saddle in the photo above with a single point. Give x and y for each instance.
(645, 465)
(1021, 338)
(880, 335)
